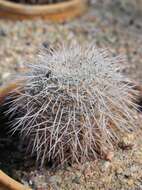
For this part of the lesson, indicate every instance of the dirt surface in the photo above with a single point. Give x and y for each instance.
(116, 25)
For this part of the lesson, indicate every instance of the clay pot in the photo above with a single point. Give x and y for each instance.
(7, 183)
(55, 12)
(5, 90)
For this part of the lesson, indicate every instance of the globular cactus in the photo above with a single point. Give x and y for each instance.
(73, 103)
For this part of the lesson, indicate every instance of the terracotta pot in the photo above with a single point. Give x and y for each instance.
(7, 183)
(5, 90)
(56, 12)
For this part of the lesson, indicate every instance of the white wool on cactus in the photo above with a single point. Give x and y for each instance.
(72, 104)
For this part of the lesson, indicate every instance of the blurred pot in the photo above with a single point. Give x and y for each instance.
(62, 11)
(5, 90)
(7, 183)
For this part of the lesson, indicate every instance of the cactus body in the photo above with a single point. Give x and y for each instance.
(73, 104)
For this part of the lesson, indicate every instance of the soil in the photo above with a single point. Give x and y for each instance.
(116, 25)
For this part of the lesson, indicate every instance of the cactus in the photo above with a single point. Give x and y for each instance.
(73, 104)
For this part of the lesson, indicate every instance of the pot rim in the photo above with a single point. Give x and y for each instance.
(27, 9)
(7, 89)
(11, 184)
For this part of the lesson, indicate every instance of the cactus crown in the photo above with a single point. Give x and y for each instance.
(72, 103)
